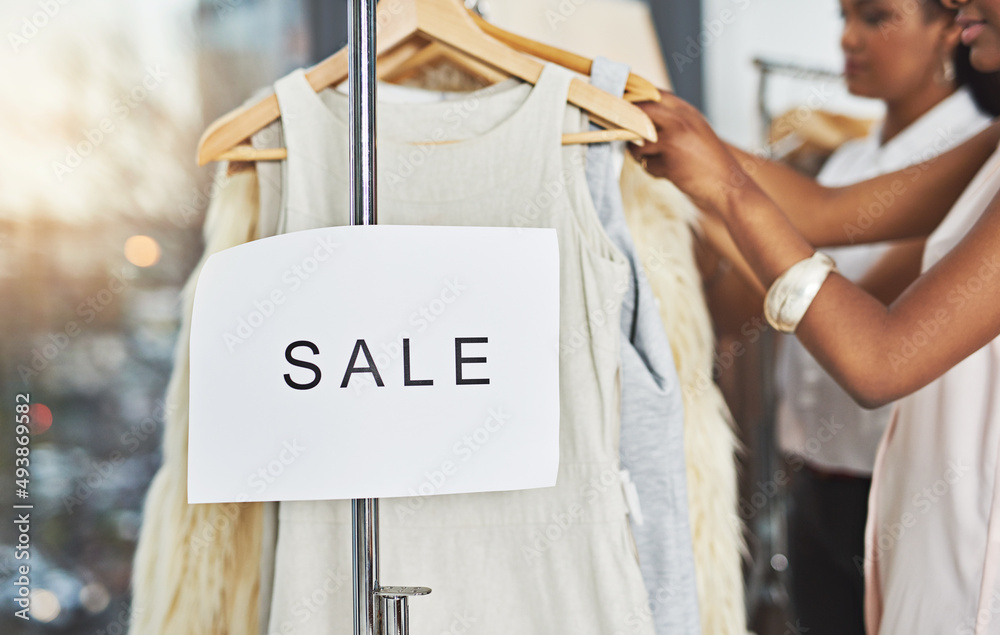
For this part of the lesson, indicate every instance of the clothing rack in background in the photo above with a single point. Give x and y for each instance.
(767, 69)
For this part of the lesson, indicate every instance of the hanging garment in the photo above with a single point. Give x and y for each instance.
(932, 546)
(652, 428)
(205, 590)
(196, 570)
(554, 560)
(661, 219)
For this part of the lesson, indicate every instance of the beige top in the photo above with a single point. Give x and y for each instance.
(932, 550)
(556, 560)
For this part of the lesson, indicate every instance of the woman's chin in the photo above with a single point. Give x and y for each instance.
(861, 89)
(985, 61)
(984, 54)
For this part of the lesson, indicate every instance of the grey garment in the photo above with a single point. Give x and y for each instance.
(652, 429)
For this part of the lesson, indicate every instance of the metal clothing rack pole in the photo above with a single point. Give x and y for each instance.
(361, 97)
(378, 610)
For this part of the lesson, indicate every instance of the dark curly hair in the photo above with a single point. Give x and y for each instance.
(985, 87)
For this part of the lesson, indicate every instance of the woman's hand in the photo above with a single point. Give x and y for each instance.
(689, 154)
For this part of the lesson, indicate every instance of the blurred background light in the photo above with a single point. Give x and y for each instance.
(44, 605)
(41, 418)
(95, 597)
(142, 251)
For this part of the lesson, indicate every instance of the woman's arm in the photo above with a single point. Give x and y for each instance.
(879, 354)
(895, 271)
(732, 301)
(736, 297)
(867, 347)
(886, 279)
(716, 236)
(908, 203)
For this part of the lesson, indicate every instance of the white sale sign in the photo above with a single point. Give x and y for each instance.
(371, 362)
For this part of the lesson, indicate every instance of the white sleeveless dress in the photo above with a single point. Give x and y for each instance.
(555, 560)
(932, 552)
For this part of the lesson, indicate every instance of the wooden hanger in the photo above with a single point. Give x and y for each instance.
(448, 23)
(409, 58)
(637, 88)
(433, 53)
